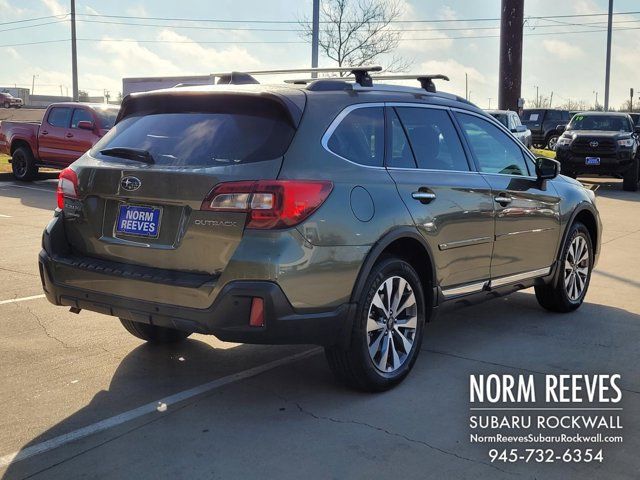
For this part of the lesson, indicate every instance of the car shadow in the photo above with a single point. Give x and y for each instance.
(31, 194)
(609, 188)
(487, 334)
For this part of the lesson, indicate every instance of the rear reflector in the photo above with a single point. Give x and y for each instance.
(67, 186)
(256, 318)
(269, 204)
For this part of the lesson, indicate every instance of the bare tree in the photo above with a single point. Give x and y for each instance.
(575, 105)
(356, 32)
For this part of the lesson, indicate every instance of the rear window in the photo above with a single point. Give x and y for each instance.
(532, 116)
(202, 139)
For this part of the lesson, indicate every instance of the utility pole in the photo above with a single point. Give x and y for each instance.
(551, 99)
(466, 86)
(315, 37)
(607, 75)
(537, 96)
(33, 84)
(74, 53)
(489, 104)
(511, 26)
(631, 99)
(596, 105)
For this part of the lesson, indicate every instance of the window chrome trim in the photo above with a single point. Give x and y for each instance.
(338, 120)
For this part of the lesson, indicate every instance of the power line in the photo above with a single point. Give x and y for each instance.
(146, 41)
(178, 19)
(32, 26)
(35, 18)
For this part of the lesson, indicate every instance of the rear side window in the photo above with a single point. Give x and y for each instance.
(204, 139)
(433, 138)
(494, 150)
(80, 115)
(59, 117)
(360, 136)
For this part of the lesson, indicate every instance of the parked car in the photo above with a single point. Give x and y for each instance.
(225, 210)
(603, 143)
(636, 118)
(543, 123)
(9, 101)
(66, 132)
(511, 120)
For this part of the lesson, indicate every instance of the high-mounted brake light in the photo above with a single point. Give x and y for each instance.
(67, 186)
(269, 204)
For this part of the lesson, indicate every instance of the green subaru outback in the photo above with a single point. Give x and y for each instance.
(333, 212)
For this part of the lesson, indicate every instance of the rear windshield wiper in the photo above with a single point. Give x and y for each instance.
(137, 154)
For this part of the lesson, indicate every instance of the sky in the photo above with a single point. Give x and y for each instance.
(571, 65)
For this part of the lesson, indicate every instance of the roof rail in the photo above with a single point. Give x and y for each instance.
(426, 81)
(361, 73)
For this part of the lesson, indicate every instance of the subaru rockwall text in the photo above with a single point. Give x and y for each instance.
(336, 213)
(601, 143)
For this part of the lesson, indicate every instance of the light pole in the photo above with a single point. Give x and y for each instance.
(537, 96)
(596, 105)
(33, 83)
(315, 34)
(607, 75)
(489, 103)
(74, 53)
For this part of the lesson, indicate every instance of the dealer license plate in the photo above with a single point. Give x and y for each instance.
(592, 160)
(139, 220)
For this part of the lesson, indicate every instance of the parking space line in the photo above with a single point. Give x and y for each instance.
(22, 299)
(157, 407)
(4, 216)
(48, 190)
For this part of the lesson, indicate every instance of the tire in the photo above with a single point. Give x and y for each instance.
(23, 164)
(630, 178)
(557, 297)
(355, 366)
(7, 105)
(154, 333)
(552, 140)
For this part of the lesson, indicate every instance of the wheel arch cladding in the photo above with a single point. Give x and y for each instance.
(407, 244)
(586, 217)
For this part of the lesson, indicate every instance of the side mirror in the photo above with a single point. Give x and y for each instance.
(521, 128)
(85, 125)
(561, 128)
(547, 168)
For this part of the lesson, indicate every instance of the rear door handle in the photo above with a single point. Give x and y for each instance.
(423, 197)
(69, 135)
(503, 200)
(44, 133)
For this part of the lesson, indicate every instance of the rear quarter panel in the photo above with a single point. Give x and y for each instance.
(12, 133)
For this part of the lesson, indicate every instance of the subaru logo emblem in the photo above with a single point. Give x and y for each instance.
(594, 144)
(130, 183)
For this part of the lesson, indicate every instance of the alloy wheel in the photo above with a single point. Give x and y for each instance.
(392, 324)
(576, 268)
(19, 165)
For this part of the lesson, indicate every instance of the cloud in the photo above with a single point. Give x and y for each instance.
(456, 72)
(130, 58)
(563, 50)
(12, 52)
(55, 7)
(137, 11)
(204, 59)
(411, 40)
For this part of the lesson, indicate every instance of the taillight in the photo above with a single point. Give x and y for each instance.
(67, 186)
(269, 203)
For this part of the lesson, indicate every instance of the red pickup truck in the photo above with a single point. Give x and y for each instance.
(66, 132)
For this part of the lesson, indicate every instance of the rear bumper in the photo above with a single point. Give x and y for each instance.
(610, 163)
(227, 318)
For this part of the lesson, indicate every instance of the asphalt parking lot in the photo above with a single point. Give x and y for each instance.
(82, 398)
